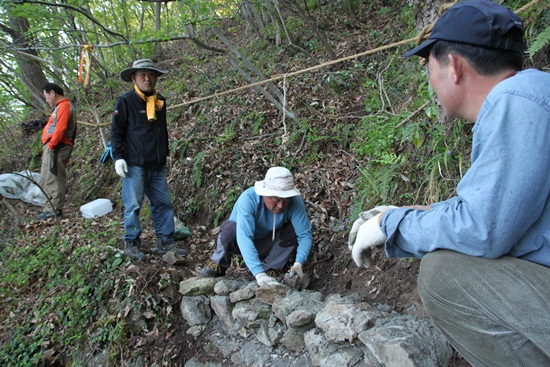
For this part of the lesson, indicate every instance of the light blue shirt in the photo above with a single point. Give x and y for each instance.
(255, 221)
(502, 205)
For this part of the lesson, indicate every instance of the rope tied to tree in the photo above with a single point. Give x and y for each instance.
(425, 33)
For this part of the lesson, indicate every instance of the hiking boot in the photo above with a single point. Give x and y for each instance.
(163, 248)
(131, 249)
(213, 270)
(46, 215)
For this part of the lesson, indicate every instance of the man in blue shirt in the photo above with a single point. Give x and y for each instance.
(268, 225)
(485, 253)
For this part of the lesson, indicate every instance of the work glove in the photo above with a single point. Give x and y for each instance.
(295, 278)
(121, 167)
(265, 280)
(297, 271)
(168, 165)
(363, 217)
(368, 236)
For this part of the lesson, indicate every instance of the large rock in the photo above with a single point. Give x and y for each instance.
(344, 321)
(404, 341)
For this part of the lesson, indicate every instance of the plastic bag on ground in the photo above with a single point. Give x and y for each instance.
(19, 186)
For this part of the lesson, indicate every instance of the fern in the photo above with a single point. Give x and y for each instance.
(378, 182)
(197, 169)
(542, 39)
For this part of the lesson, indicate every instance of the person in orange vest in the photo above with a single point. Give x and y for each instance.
(58, 140)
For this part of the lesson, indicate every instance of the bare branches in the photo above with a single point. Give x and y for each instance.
(76, 9)
(114, 44)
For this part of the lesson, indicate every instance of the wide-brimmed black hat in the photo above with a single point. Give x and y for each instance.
(477, 22)
(142, 64)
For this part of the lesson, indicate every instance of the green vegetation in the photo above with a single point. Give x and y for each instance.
(69, 283)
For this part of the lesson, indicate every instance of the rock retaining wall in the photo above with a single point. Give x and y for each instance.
(280, 326)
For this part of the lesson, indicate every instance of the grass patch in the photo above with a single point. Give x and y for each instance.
(55, 296)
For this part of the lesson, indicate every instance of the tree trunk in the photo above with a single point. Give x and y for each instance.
(157, 51)
(280, 103)
(294, 7)
(32, 75)
(252, 19)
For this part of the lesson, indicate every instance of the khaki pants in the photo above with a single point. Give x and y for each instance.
(53, 175)
(495, 312)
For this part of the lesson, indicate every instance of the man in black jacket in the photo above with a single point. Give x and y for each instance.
(139, 139)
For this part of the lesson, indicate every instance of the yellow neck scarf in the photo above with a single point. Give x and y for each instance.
(153, 104)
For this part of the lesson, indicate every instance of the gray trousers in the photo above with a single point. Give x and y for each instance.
(53, 174)
(274, 253)
(494, 312)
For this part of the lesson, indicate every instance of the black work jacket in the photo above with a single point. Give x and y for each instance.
(133, 137)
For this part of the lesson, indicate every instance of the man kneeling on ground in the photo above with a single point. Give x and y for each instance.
(268, 225)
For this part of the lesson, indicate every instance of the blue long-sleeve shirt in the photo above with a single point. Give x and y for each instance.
(502, 205)
(255, 221)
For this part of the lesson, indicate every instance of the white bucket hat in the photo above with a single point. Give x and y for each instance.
(142, 64)
(278, 182)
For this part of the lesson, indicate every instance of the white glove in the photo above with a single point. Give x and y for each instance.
(353, 233)
(297, 271)
(265, 280)
(121, 167)
(363, 217)
(369, 235)
(375, 211)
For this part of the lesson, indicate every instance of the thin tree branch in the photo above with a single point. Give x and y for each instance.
(114, 44)
(67, 6)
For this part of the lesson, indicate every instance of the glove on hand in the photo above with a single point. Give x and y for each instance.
(265, 280)
(121, 167)
(369, 235)
(353, 233)
(297, 271)
(375, 211)
(363, 217)
(296, 278)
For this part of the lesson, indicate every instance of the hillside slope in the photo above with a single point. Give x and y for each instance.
(360, 138)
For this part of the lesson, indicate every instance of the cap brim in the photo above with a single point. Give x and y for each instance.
(262, 191)
(422, 50)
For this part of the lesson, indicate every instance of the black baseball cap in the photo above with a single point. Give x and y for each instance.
(476, 22)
